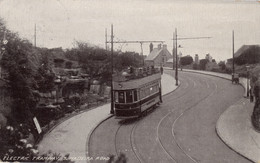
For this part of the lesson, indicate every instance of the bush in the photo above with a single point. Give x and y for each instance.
(195, 66)
(186, 60)
(203, 63)
(255, 118)
(15, 141)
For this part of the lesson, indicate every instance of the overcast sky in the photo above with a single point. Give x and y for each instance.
(61, 22)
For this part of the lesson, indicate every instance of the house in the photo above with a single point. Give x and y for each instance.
(158, 56)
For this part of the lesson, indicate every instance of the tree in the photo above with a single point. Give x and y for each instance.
(203, 63)
(44, 76)
(249, 56)
(19, 75)
(222, 65)
(186, 60)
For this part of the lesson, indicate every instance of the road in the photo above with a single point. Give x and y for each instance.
(181, 129)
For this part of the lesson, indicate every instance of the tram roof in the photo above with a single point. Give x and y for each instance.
(136, 83)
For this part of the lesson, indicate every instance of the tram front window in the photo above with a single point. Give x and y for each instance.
(121, 97)
(129, 96)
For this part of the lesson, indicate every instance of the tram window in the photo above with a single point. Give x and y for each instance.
(129, 96)
(135, 95)
(141, 94)
(116, 97)
(121, 97)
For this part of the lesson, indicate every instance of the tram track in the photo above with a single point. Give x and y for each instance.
(170, 113)
(134, 149)
(128, 137)
(180, 115)
(186, 110)
(133, 128)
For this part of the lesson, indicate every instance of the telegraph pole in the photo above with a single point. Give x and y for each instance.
(112, 67)
(106, 38)
(233, 53)
(176, 71)
(176, 51)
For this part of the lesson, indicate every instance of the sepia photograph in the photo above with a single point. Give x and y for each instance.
(130, 81)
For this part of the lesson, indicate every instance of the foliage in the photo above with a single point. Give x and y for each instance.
(222, 65)
(44, 76)
(120, 159)
(97, 61)
(75, 101)
(46, 114)
(17, 141)
(255, 117)
(195, 66)
(20, 76)
(186, 60)
(249, 56)
(203, 63)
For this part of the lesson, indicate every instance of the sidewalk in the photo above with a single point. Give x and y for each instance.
(234, 126)
(71, 136)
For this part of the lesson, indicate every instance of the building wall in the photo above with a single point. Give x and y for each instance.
(149, 63)
(162, 58)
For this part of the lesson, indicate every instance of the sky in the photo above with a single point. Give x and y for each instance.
(59, 23)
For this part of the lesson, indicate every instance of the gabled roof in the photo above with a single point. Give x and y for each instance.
(153, 54)
(156, 52)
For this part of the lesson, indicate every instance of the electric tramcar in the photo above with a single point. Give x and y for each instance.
(136, 92)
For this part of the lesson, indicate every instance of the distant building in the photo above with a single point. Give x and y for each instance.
(211, 65)
(158, 56)
(196, 60)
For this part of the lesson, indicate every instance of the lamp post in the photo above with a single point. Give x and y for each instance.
(233, 58)
(176, 57)
(247, 81)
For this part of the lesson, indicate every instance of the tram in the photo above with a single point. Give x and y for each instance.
(136, 91)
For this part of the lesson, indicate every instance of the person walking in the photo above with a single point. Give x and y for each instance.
(161, 70)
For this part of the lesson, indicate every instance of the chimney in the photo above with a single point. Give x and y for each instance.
(151, 47)
(159, 46)
(164, 46)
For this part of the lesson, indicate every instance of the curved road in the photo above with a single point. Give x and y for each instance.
(181, 129)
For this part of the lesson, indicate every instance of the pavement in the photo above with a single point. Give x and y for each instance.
(72, 135)
(234, 126)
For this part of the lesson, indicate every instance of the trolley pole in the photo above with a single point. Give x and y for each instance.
(176, 57)
(112, 67)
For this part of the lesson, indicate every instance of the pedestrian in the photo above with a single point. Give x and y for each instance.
(161, 70)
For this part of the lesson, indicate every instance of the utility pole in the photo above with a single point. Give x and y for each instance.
(112, 67)
(106, 38)
(176, 51)
(176, 71)
(34, 35)
(233, 53)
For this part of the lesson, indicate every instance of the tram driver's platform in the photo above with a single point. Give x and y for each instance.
(70, 137)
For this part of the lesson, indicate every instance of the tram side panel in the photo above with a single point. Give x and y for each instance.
(135, 96)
